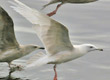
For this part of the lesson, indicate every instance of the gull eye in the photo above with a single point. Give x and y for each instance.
(35, 46)
(91, 46)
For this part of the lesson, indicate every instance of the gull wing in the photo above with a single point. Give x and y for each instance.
(55, 37)
(7, 36)
(53, 34)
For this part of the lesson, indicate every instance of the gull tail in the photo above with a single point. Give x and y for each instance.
(37, 60)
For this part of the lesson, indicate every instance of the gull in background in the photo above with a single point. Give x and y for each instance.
(54, 36)
(63, 2)
(9, 47)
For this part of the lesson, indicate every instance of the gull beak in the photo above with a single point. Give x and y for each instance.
(100, 49)
(41, 48)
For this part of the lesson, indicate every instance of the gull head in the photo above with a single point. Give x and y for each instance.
(34, 47)
(30, 48)
(89, 47)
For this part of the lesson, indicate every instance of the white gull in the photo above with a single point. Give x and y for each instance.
(55, 38)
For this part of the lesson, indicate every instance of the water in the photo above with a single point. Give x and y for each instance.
(87, 23)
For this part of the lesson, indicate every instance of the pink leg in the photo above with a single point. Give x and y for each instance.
(55, 77)
(54, 12)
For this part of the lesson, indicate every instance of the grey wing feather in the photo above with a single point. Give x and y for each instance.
(53, 34)
(55, 37)
(7, 36)
(35, 57)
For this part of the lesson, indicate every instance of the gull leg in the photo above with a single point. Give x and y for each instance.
(54, 12)
(11, 70)
(9, 64)
(14, 67)
(55, 77)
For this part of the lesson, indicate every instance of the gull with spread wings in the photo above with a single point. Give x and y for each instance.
(9, 47)
(54, 36)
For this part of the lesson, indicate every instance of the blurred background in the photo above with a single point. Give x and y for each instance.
(87, 23)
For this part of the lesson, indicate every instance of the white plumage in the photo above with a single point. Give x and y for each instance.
(54, 36)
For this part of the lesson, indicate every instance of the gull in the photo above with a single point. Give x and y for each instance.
(10, 49)
(63, 2)
(55, 38)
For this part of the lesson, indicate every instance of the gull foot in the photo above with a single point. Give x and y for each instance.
(54, 12)
(51, 13)
(15, 67)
